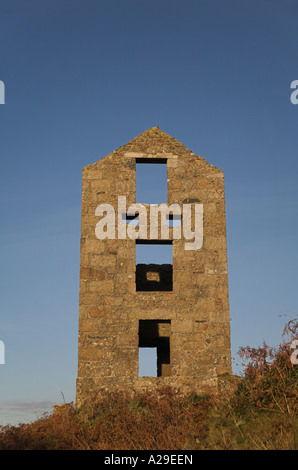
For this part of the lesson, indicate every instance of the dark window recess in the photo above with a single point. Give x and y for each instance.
(156, 334)
(154, 277)
(152, 161)
(151, 275)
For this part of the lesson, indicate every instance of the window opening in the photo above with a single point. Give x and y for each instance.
(148, 362)
(154, 335)
(151, 181)
(154, 265)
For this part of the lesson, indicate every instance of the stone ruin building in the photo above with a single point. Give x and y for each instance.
(179, 309)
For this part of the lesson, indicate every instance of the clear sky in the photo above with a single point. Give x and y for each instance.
(83, 77)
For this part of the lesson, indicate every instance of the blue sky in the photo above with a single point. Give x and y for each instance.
(83, 77)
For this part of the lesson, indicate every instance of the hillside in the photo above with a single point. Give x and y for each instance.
(256, 411)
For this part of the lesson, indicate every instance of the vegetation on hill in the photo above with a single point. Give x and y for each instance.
(256, 411)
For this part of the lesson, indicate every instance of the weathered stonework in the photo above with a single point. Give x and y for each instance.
(118, 313)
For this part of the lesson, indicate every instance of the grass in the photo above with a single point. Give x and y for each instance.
(255, 412)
